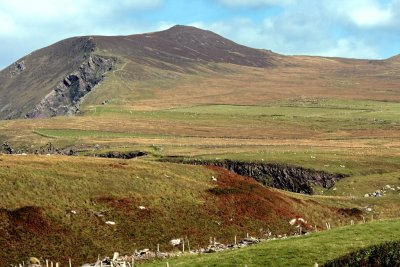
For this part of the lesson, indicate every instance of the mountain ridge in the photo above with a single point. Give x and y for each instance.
(38, 85)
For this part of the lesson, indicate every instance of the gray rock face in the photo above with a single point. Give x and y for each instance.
(286, 177)
(6, 148)
(68, 95)
(17, 68)
(121, 155)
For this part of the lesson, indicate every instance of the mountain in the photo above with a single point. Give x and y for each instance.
(59, 79)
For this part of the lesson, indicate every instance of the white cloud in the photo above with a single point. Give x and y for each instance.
(365, 13)
(254, 3)
(371, 16)
(351, 28)
(348, 47)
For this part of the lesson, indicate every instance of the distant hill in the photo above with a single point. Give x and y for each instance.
(59, 79)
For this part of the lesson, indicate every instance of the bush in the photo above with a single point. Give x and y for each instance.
(386, 254)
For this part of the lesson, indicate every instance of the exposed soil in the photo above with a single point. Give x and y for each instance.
(243, 202)
(286, 177)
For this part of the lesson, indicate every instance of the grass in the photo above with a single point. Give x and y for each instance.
(47, 188)
(72, 134)
(304, 251)
(318, 113)
(358, 138)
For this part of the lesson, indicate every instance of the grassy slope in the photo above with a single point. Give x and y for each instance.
(41, 191)
(305, 251)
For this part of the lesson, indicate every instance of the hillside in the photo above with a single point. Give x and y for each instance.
(154, 70)
(304, 251)
(54, 211)
(325, 131)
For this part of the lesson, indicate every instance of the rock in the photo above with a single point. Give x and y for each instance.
(142, 207)
(17, 68)
(6, 148)
(67, 82)
(175, 242)
(115, 256)
(366, 195)
(68, 94)
(34, 260)
(121, 155)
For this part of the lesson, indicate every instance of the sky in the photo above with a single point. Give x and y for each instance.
(344, 28)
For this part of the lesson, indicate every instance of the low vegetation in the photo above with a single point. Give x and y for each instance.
(306, 250)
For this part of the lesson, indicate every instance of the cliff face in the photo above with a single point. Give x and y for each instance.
(26, 83)
(67, 96)
(286, 177)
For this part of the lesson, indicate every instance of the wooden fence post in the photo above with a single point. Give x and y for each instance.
(188, 243)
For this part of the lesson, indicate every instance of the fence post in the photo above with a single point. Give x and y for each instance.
(188, 243)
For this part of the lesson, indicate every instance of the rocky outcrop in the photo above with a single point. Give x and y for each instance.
(6, 148)
(68, 95)
(121, 155)
(49, 148)
(286, 177)
(17, 68)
